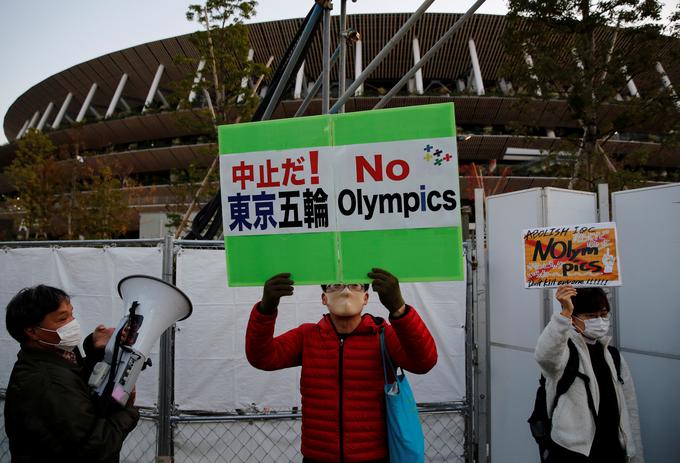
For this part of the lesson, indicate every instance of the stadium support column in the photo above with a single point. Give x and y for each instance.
(667, 83)
(419, 73)
(530, 64)
(153, 88)
(506, 87)
(244, 80)
(126, 106)
(116, 96)
(479, 83)
(86, 103)
(34, 119)
(197, 80)
(23, 130)
(358, 67)
(314, 88)
(45, 115)
(297, 93)
(62, 111)
(632, 88)
(164, 102)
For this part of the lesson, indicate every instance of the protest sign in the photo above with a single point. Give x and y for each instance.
(580, 255)
(329, 197)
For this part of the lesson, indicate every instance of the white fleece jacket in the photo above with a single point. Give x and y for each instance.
(573, 425)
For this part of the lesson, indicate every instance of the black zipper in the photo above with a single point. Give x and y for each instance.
(342, 346)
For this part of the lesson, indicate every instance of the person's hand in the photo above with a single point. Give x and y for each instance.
(122, 337)
(131, 400)
(101, 336)
(608, 261)
(564, 295)
(387, 287)
(276, 287)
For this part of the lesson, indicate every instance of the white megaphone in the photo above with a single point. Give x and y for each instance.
(153, 306)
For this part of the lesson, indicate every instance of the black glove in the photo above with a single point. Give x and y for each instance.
(387, 287)
(274, 288)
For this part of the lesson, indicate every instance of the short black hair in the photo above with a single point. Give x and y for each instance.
(323, 287)
(29, 307)
(590, 300)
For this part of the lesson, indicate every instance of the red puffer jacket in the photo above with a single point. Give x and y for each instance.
(343, 407)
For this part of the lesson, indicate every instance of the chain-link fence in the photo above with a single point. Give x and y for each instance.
(140, 444)
(264, 438)
(237, 439)
(272, 437)
(276, 439)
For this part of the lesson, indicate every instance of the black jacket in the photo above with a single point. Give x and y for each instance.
(50, 414)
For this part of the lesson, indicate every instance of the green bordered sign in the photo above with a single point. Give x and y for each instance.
(329, 197)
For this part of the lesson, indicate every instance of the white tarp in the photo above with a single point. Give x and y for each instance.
(648, 317)
(90, 276)
(212, 372)
(515, 313)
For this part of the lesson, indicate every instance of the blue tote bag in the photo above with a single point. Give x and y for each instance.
(404, 433)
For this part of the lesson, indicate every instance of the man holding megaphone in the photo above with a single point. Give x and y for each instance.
(50, 413)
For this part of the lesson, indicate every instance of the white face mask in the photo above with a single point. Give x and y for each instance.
(69, 335)
(345, 303)
(595, 328)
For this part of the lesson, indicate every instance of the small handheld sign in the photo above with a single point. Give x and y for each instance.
(579, 255)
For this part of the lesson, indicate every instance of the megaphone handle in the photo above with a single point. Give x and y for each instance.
(108, 389)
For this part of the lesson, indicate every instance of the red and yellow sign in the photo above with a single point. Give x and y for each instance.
(579, 255)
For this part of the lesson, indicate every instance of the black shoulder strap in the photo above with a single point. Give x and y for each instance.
(568, 377)
(616, 356)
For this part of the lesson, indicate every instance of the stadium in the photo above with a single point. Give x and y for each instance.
(117, 107)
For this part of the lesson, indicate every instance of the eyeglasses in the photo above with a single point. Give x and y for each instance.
(339, 287)
(588, 316)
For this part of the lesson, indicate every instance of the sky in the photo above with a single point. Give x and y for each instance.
(41, 38)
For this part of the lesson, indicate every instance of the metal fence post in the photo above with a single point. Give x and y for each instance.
(468, 254)
(480, 399)
(166, 373)
(603, 215)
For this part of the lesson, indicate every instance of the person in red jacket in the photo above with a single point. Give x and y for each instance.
(342, 382)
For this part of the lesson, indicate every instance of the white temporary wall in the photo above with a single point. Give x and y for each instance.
(90, 276)
(212, 372)
(516, 315)
(648, 223)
